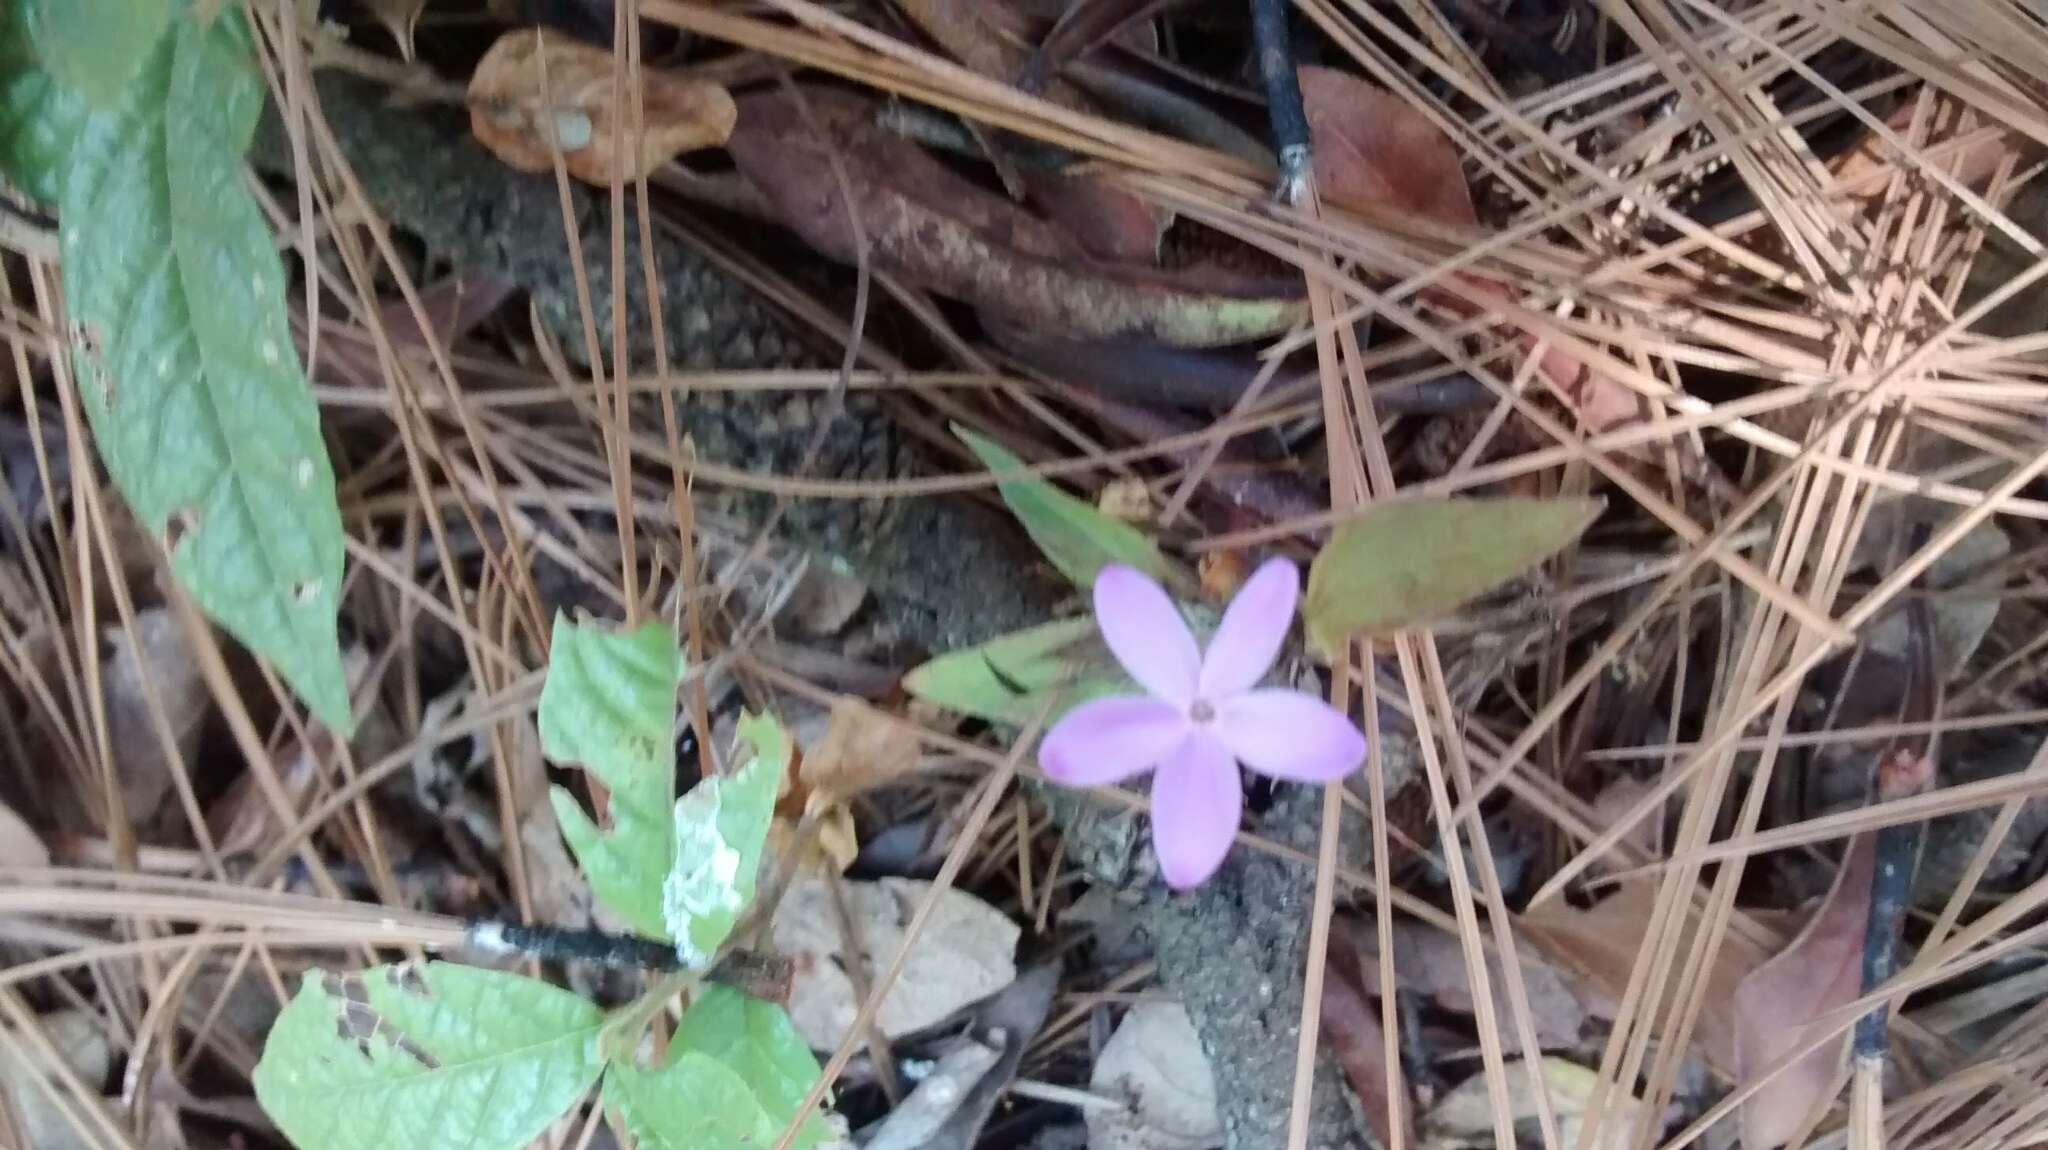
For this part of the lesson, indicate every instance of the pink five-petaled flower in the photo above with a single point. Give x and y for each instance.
(1202, 717)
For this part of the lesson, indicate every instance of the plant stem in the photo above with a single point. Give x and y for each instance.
(761, 975)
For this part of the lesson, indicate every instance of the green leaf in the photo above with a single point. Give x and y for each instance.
(609, 706)
(426, 1057)
(757, 1041)
(38, 116)
(184, 359)
(1077, 538)
(693, 1103)
(1404, 563)
(95, 47)
(721, 827)
(1012, 678)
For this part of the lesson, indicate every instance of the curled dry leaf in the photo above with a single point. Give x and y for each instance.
(1128, 499)
(511, 117)
(861, 748)
(1154, 1064)
(1821, 971)
(966, 952)
(935, 228)
(19, 843)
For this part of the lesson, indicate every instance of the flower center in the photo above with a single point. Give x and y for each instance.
(1201, 710)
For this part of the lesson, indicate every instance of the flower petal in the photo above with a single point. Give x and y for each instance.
(1109, 740)
(1146, 633)
(1197, 799)
(1290, 735)
(1254, 626)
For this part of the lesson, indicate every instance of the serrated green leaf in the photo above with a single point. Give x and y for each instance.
(1012, 678)
(757, 1041)
(609, 706)
(38, 116)
(721, 827)
(693, 1103)
(95, 47)
(1404, 563)
(426, 1057)
(184, 359)
(1076, 537)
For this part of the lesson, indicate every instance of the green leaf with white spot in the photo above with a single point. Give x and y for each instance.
(1076, 537)
(38, 115)
(693, 1103)
(609, 706)
(432, 1057)
(95, 47)
(1014, 678)
(721, 827)
(182, 351)
(1400, 564)
(757, 1041)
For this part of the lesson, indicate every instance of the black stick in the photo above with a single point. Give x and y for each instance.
(1905, 768)
(1283, 96)
(765, 976)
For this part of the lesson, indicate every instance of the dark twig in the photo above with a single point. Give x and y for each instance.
(764, 976)
(1283, 96)
(1906, 768)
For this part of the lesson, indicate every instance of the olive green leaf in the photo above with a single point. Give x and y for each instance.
(1404, 563)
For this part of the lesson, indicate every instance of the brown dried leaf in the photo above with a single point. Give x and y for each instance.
(1375, 150)
(1352, 1031)
(1598, 947)
(510, 117)
(1085, 26)
(1110, 224)
(986, 35)
(934, 227)
(861, 748)
(968, 951)
(1821, 971)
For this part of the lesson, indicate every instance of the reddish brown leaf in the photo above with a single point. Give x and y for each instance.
(1109, 223)
(510, 117)
(1821, 971)
(1374, 150)
(939, 230)
(454, 307)
(1351, 1030)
